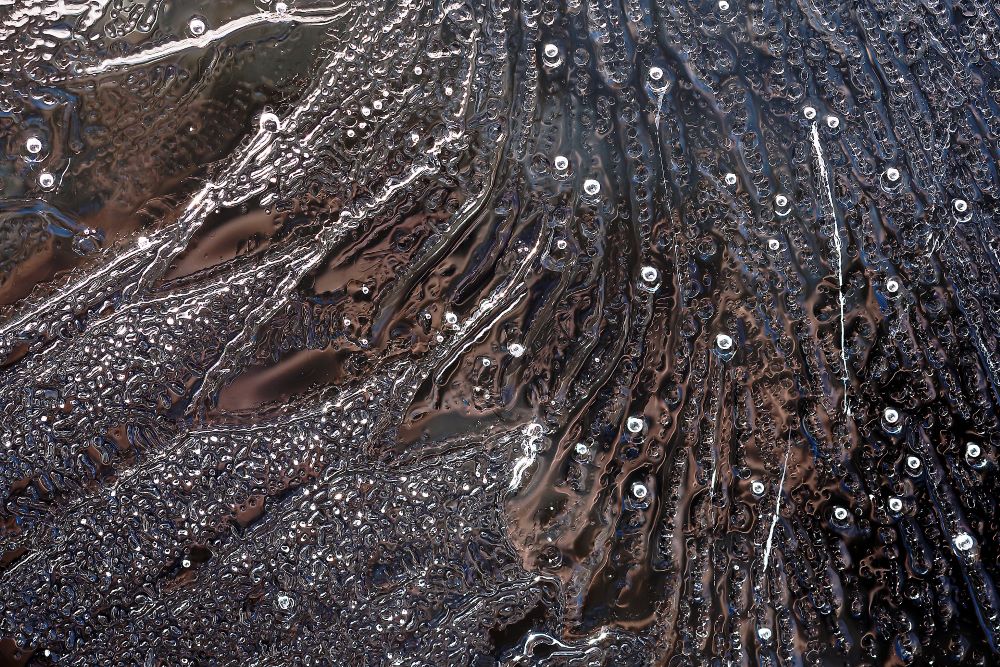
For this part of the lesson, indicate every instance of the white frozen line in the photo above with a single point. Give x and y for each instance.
(818, 147)
(777, 509)
(532, 435)
(202, 41)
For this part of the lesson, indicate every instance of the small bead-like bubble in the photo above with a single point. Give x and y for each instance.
(561, 163)
(655, 73)
(895, 504)
(730, 178)
(891, 415)
(840, 513)
(285, 602)
(960, 205)
(973, 451)
(269, 122)
(809, 113)
(515, 349)
(46, 180)
(724, 341)
(757, 487)
(892, 174)
(891, 285)
(781, 201)
(964, 542)
(832, 122)
(551, 51)
(197, 26)
(634, 425)
(185, 563)
(450, 317)
(723, 5)
(639, 490)
(33, 145)
(764, 634)
(649, 274)
(280, 7)
(774, 244)
(591, 187)
(581, 449)
(913, 463)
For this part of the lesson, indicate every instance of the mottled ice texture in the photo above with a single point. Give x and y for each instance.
(634, 332)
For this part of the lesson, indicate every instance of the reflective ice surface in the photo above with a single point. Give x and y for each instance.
(499, 332)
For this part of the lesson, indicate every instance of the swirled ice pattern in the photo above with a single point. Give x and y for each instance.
(499, 332)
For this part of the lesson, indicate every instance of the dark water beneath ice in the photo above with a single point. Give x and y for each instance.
(499, 333)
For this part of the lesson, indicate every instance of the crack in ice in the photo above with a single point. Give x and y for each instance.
(825, 179)
(777, 510)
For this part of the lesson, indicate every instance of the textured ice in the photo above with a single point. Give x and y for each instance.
(499, 332)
